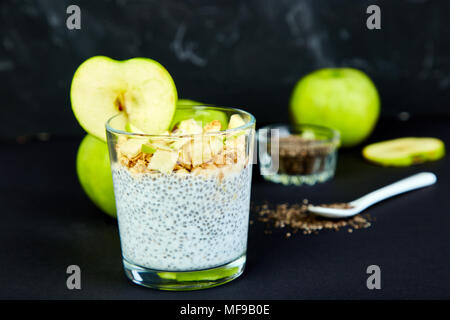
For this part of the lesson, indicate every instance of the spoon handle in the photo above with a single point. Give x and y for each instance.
(416, 181)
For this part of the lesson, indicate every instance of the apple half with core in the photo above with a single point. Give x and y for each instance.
(344, 99)
(139, 87)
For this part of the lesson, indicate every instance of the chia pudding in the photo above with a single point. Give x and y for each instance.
(183, 199)
(182, 222)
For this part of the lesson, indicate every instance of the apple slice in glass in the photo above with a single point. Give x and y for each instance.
(141, 88)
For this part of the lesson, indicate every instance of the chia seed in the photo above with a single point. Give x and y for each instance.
(170, 230)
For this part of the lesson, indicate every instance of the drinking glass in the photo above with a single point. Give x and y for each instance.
(186, 228)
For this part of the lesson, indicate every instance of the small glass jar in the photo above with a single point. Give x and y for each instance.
(298, 154)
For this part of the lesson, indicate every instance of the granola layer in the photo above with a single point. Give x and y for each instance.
(188, 149)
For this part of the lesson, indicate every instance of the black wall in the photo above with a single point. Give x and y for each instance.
(233, 53)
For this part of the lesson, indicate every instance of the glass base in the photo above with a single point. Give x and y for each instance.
(298, 180)
(184, 280)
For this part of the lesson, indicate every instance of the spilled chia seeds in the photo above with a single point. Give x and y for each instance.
(296, 218)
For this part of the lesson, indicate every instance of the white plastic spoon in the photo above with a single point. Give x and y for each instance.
(416, 181)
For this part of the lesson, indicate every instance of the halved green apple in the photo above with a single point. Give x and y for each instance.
(140, 87)
(404, 151)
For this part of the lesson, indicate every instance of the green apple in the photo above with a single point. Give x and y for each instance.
(343, 99)
(404, 151)
(141, 88)
(203, 116)
(94, 173)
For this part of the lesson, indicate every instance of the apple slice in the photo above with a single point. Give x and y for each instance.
(140, 87)
(404, 151)
(130, 148)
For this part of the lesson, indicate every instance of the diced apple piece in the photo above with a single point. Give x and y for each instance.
(185, 156)
(179, 143)
(196, 151)
(235, 143)
(216, 144)
(212, 146)
(163, 161)
(206, 150)
(130, 148)
(190, 126)
(191, 154)
(235, 121)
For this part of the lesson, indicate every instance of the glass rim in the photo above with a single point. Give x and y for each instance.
(335, 136)
(245, 126)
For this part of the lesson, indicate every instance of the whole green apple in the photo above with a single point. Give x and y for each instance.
(94, 173)
(204, 116)
(344, 99)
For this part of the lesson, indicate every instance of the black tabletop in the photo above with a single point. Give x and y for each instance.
(48, 224)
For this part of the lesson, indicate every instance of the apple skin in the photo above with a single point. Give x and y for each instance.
(94, 173)
(344, 99)
(198, 115)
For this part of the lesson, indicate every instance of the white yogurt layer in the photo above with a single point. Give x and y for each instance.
(184, 222)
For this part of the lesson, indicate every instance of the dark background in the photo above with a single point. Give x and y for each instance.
(233, 53)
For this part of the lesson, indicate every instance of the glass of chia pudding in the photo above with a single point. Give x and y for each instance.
(183, 197)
